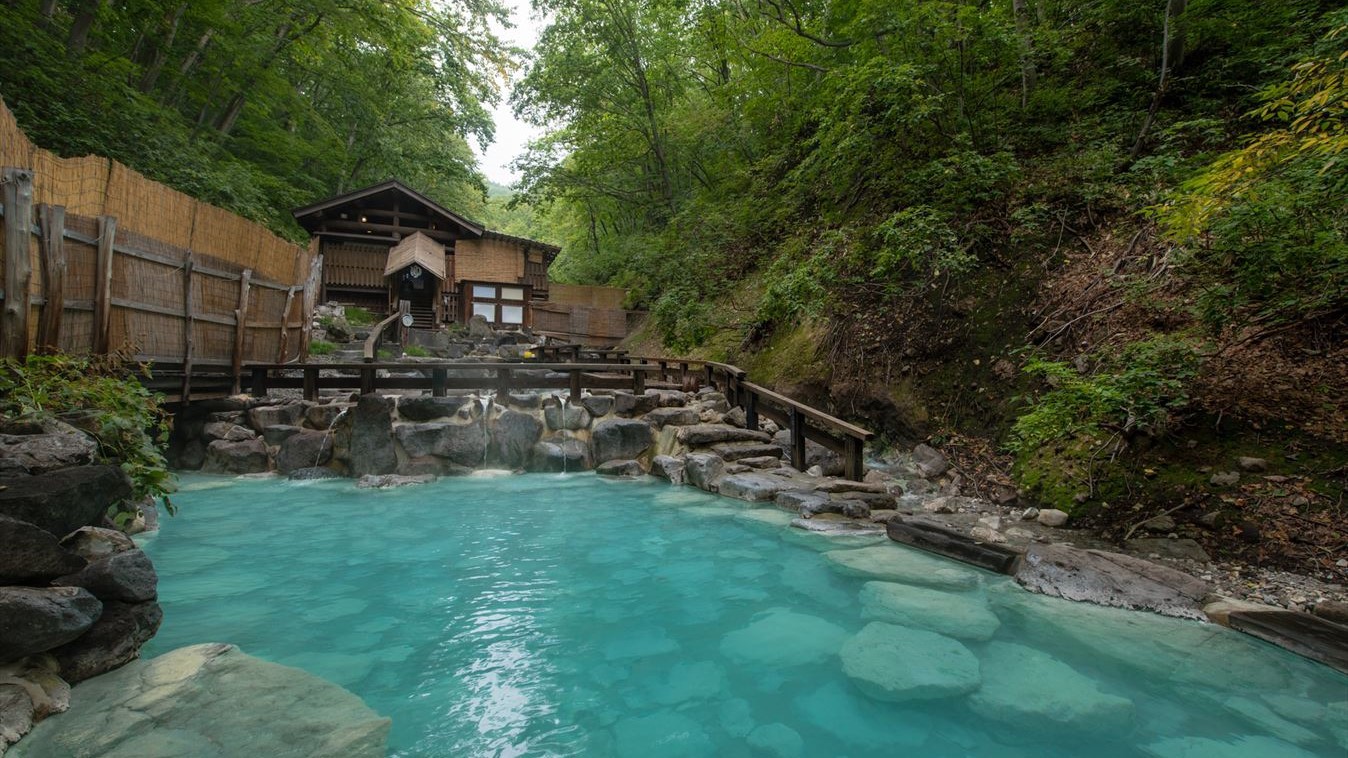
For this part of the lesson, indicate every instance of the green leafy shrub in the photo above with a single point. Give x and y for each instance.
(1141, 389)
(684, 318)
(415, 351)
(123, 416)
(321, 347)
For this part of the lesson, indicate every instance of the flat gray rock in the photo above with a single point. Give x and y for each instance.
(699, 435)
(208, 701)
(753, 487)
(782, 637)
(896, 663)
(31, 554)
(1113, 579)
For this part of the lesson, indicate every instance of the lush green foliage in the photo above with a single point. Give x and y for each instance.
(97, 396)
(356, 316)
(859, 150)
(1266, 225)
(1139, 390)
(416, 351)
(261, 107)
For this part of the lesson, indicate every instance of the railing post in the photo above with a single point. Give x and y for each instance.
(854, 468)
(639, 379)
(750, 410)
(664, 368)
(310, 383)
(503, 376)
(438, 378)
(711, 381)
(18, 199)
(367, 379)
(575, 386)
(259, 383)
(797, 439)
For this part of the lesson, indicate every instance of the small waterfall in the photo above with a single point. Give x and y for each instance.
(486, 399)
(331, 425)
(563, 398)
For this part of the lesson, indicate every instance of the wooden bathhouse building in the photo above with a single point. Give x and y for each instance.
(388, 242)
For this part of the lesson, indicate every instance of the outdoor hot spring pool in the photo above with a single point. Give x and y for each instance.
(569, 615)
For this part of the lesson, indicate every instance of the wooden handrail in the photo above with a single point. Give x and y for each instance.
(376, 337)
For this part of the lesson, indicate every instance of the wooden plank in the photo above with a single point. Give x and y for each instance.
(107, 235)
(18, 199)
(241, 325)
(189, 340)
(136, 305)
(285, 327)
(53, 219)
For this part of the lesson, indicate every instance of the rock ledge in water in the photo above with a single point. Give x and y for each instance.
(212, 701)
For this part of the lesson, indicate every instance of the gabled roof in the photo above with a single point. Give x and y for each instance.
(418, 249)
(470, 227)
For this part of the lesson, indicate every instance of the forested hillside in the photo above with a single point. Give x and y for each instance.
(1103, 239)
(261, 106)
(1095, 249)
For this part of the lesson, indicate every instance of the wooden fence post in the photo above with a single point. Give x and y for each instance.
(18, 199)
(53, 218)
(107, 232)
(575, 386)
(797, 439)
(311, 286)
(189, 321)
(438, 378)
(854, 466)
(285, 326)
(750, 410)
(241, 325)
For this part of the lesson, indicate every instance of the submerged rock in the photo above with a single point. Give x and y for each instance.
(388, 481)
(1241, 746)
(783, 637)
(897, 664)
(1030, 689)
(961, 615)
(209, 700)
(900, 564)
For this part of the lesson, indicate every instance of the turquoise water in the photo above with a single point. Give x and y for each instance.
(569, 615)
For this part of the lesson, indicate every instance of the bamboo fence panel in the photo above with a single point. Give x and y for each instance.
(165, 244)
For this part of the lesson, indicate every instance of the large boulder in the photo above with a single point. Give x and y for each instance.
(322, 417)
(32, 555)
(513, 435)
(699, 435)
(668, 467)
(929, 461)
(36, 619)
(429, 408)
(1032, 690)
(29, 692)
(627, 404)
(277, 434)
(703, 470)
(1113, 579)
(66, 500)
(39, 447)
(898, 664)
(460, 444)
(304, 449)
(558, 457)
(247, 457)
(365, 437)
(290, 414)
(112, 641)
(214, 700)
(224, 430)
(94, 542)
(128, 576)
(598, 405)
(620, 439)
(569, 417)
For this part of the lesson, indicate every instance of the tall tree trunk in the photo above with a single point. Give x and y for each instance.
(47, 9)
(285, 35)
(85, 15)
(1028, 74)
(161, 51)
(1172, 52)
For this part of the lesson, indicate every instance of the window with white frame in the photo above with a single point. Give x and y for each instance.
(498, 304)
